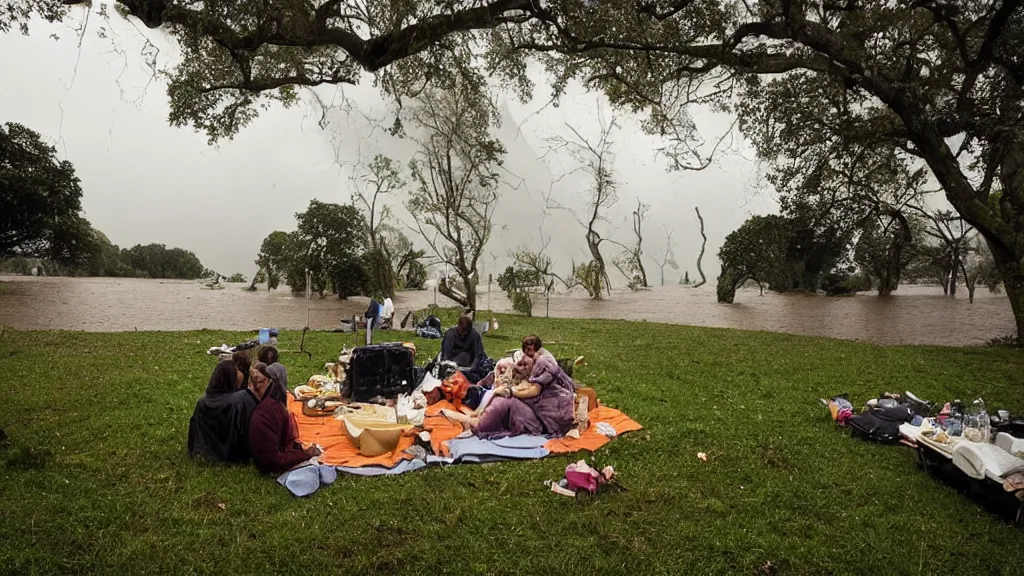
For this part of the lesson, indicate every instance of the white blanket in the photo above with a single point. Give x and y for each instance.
(1014, 446)
(979, 460)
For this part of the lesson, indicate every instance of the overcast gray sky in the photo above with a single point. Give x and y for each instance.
(145, 181)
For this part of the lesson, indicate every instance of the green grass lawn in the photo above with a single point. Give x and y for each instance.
(95, 477)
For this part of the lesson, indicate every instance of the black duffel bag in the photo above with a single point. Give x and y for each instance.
(881, 424)
(380, 370)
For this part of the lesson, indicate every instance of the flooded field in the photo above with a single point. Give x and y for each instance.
(914, 315)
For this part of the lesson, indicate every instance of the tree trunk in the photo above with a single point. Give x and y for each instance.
(1011, 268)
(901, 237)
(470, 292)
(884, 286)
(594, 243)
(448, 291)
(969, 281)
(703, 244)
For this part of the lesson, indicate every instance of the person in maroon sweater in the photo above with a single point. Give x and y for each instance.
(273, 441)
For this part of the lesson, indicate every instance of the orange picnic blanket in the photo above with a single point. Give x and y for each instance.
(442, 430)
(338, 449)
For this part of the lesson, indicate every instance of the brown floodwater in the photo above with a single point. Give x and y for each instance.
(914, 315)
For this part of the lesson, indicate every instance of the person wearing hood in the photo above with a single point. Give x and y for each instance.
(219, 428)
(273, 439)
(463, 345)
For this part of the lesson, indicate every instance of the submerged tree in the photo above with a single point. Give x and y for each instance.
(886, 248)
(329, 241)
(783, 252)
(455, 171)
(596, 160)
(273, 258)
(630, 260)
(979, 267)
(538, 262)
(703, 244)
(668, 257)
(953, 236)
(758, 251)
(376, 181)
(517, 282)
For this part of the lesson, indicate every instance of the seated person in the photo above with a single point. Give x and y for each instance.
(273, 440)
(278, 373)
(541, 403)
(463, 345)
(532, 346)
(229, 375)
(219, 428)
(503, 376)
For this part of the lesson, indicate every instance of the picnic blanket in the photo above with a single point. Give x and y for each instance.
(338, 449)
(341, 453)
(442, 430)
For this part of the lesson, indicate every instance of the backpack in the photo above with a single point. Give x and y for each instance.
(381, 370)
(881, 424)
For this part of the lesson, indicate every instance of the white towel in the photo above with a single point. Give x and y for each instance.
(910, 432)
(429, 383)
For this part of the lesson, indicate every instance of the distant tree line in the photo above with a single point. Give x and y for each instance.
(41, 223)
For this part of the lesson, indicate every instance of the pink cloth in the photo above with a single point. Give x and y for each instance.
(843, 416)
(579, 476)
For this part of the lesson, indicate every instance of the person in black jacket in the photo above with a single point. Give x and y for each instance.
(219, 428)
(463, 345)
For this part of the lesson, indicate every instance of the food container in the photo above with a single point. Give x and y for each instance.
(373, 429)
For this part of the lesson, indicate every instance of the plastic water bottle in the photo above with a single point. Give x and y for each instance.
(976, 422)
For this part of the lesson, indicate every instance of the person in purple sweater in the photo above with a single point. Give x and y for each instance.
(540, 405)
(273, 439)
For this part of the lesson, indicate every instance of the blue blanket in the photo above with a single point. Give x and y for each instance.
(308, 479)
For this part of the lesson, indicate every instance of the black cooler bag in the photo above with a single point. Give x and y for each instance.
(881, 424)
(380, 370)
